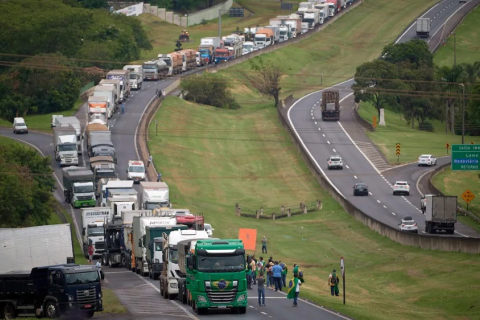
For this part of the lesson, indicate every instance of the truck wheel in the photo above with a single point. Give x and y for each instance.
(51, 310)
(241, 310)
(9, 312)
(88, 315)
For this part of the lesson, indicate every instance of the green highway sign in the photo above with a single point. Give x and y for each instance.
(465, 157)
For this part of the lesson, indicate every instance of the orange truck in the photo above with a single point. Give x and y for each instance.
(263, 37)
(98, 109)
(174, 61)
(190, 59)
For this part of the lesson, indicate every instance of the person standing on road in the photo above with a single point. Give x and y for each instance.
(264, 244)
(261, 290)
(150, 160)
(91, 251)
(284, 273)
(253, 263)
(123, 107)
(294, 290)
(277, 276)
(249, 274)
(333, 281)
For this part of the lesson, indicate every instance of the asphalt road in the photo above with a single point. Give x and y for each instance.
(323, 139)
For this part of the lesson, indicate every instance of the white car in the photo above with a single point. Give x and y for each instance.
(427, 160)
(335, 162)
(136, 171)
(401, 187)
(209, 229)
(408, 225)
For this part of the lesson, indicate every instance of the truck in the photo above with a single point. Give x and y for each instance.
(215, 274)
(78, 187)
(276, 33)
(295, 21)
(174, 63)
(104, 186)
(207, 53)
(189, 59)
(124, 77)
(200, 61)
(25, 247)
(304, 6)
(234, 43)
(93, 220)
(312, 16)
(110, 93)
(210, 41)
(170, 270)
(114, 243)
(100, 144)
(223, 55)
(247, 47)
(122, 199)
(155, 69)
(334, 6)
(440, 213)
(324, 16)
(103, 167)
(330, 105)
(65, 146)
(136, 170)
(98, 109)
(51, 291)
(75, 123)
(423, 27)
(153, 195)
(119, 89)
(285, 32)
(263, 37)
(153, 242)
(136, 75)
(93, 129)
(127, 256)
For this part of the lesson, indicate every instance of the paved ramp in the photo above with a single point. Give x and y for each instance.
(373, 155)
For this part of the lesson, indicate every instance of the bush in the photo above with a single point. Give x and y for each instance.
(426, 126)
(204, 22)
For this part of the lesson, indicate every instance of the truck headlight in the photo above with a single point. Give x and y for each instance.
(100, 295)
(173, 285)
(241, 298)
(70, 298)
(157, 261)
(201, 299)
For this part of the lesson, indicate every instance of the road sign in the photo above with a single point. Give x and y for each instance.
(447, 145)
(471, 142)
(374, 121)
(397, 149)
(468, 196)
(465, 157)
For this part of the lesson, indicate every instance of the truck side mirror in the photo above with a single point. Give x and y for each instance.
(102, 275)
(190, 262)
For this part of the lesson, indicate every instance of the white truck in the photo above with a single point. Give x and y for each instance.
(65, 146)
(122, 199)
(276, 33)
(247, 47)
(440, 213)
(312, 16)
(117, 85)
(153, 195)
(27, 248)
(110, 93)
(136, 170)
(234, 43)
(323, 7)
(105, 186)
(136, 75)
(210, 41)
(75, 123)
(93, 220)
(124, 77)
(98, 109)
(171, 272)
(423, 27)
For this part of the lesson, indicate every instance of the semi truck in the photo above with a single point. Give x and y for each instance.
(25, 247)
(104, 186)
(124, 77)
(215, 274)
(93, 220)
(323, 7)
(79, 189)
(293, 23)
(121, 200)
(189, 60)
(94, 129)
(330, 105)
(100, 144)
(98, 107)
(312, 16)
(263, 37)
(136, 76)
(153, 195)
(75, 123)
(118, 87)
(423, 27)
(276, 33)
(110, 94)
(153, 241)
(173, 61)
(170, 270)
(127, 255)
(155, 69)
(51, 291)
(223, 55)
(440, 213)
(234, 43)
(210, 41)
(332, 8)
(114, 243)
(207, 53)
(103, 167)
(65, 146)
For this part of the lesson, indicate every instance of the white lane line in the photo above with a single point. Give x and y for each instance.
(328, 142)
(319, 129)
(378, 201)
(323, 134)
(265, 312)
(461, 234)
(347, 167)
(334, 150)
(370, 193)
(355, 177)
(400, 38)
(313, 118)
(441, 27)
(394, 213)
(315, 122)
(385, 206)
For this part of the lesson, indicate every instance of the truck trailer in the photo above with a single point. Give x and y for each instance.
(93, 220)
(103, 167)
(124, 77)
(173, 61)
(98, 107)
(110, 93)
(79, 189)
(153, 195)
(440, 213)
(423, 27)
(75, 123)
(136, 76)
(330, 105)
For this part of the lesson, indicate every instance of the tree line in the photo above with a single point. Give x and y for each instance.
(406, 80)
(48, 48)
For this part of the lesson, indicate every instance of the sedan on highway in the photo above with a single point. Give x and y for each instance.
(401, 187)
(335, 162)
(408, 225)
(427, 160)
(360, 189)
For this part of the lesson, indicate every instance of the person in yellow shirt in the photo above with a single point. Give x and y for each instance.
(253, 263)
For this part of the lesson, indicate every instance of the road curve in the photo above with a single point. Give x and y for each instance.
(322, 139)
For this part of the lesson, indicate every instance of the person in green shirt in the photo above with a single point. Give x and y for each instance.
(284, 273)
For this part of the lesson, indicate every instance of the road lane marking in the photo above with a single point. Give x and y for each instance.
(394, 213)
(385, 206)
(355, 177)
(334, 150)
(328, 142)
(378, 201)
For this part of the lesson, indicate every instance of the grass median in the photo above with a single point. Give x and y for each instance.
(213, 158)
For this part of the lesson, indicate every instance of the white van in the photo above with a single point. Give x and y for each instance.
(136, 171)
(19, 125)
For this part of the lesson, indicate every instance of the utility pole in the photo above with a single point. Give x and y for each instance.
(220, 23)
(454, 49)
(463, 114)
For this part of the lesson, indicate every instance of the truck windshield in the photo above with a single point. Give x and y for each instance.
(149, 66)
(204, 52)
(82, 277)
(136, 169)
(67, 147)
(133, 76)
(221, 263)
(282, 33)
(106, 174)
(222, 54)
(95, 232)
(260, 38)
(173, 256)
(168, 61)
(248, 46)
(308, 20)
(83, 189)
(152, 205)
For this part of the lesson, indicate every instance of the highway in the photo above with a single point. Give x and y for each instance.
(322, 139)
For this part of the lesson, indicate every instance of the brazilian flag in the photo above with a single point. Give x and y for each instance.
(292, 286)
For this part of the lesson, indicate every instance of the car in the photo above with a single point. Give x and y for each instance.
(360, 189)
(136, 171)
(427, 160)
(209, 229)
(335, 162)
(19, 126)
(401, 187)
(408, 225)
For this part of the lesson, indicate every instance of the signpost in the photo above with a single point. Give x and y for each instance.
(342, 267)
(374, 121)
(397, 151)
(447, 145)
(465, 157)
(468, 196)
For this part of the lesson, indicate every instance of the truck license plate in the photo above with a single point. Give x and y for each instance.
(222, 307)
(88, 306)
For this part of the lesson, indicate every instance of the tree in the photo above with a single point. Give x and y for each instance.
(413, 51)
(372, 84)
(267, 77)
(451, 77)
(94, 4)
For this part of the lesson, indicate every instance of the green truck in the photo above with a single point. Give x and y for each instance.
(79, 187)
(214, 274)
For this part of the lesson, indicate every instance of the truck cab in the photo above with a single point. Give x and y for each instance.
(79, 190)
(93, 220)
(136, 170)
(114, 243)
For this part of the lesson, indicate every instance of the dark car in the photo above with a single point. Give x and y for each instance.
(360, 189)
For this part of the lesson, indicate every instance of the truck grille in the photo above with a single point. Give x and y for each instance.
(221, 296)
(86, 296)
(99, 245)
(82, 198)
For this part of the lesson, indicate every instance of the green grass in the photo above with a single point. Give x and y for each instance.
(164, 35)
(413, 141)
(42, 122)
(213, 158)
(468, 42)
